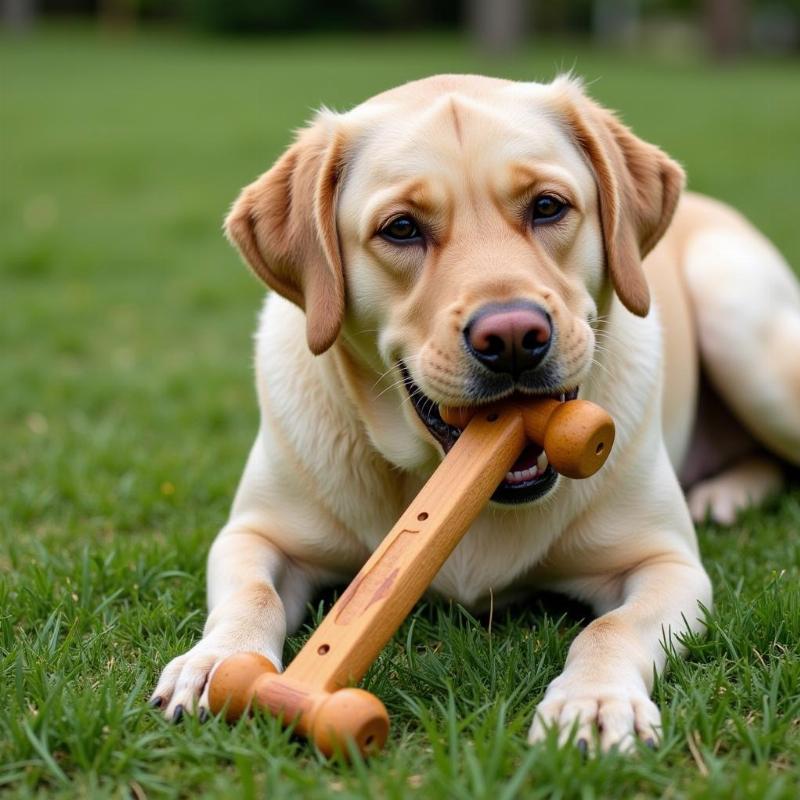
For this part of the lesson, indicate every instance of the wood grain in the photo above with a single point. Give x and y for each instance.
(401, 569)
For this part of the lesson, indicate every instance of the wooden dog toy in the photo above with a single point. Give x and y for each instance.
(577, 437)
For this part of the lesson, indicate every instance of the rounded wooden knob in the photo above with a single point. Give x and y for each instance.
(458, 416)
(578, 438)
(350, 714)
(234, 682)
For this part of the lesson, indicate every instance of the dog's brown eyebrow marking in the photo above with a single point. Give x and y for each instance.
(456, 120)
(523, 177)
(416, 194)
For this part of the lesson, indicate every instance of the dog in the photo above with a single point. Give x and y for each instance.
(457, 240)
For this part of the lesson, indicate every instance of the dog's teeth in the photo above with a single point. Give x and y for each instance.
(529, 474)
(541, 462)
(563, 396)
(521, 475)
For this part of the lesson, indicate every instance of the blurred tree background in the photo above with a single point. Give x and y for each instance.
(725, 28)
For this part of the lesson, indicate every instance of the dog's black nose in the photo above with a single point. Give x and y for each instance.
(509, 337)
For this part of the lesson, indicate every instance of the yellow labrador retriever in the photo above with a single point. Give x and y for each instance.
(457, 240)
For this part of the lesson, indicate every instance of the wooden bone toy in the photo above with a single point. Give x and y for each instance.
(576, 436)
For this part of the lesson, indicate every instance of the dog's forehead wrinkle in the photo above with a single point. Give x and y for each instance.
(521, 131)
(478, 87)
(456, 120)
(456, 97)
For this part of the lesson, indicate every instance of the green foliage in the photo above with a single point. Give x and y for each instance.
(128, 410)
(256, 16)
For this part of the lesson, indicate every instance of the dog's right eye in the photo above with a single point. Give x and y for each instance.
(401, 229)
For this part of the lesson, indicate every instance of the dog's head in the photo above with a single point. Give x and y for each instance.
(465, 233)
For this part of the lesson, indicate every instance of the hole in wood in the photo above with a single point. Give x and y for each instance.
(599, 449)
(422, 516)
(323, 648)
(492, 417)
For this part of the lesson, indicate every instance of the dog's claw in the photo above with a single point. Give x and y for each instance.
(155, 702)
(202, 715)
(650, 742)
(177, 715)
(583, 746)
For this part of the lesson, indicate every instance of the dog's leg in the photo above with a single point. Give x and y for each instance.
(747, 483)
(608, 676)
(252, 588)
(747, 306)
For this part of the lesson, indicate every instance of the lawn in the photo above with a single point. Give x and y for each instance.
(127, 412)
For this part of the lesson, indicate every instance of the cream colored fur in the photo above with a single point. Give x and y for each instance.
(340, 450)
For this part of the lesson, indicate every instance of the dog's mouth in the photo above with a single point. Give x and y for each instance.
(529, 478)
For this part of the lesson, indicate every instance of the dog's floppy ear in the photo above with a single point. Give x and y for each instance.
(638, 186)
(284, 225)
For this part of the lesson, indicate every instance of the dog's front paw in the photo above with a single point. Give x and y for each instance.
(183, 685)
(612, 713)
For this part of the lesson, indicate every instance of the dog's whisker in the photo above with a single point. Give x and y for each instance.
(606, 370)
(382, 376)
(394, 385)
(607, 337)
(398, 382)
(408, 360)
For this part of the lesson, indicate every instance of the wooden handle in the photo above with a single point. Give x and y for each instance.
(383, 593)
(577, 437)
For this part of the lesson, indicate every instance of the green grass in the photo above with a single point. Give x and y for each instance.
(127, 411)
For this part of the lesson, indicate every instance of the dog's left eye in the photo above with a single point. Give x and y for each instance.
(401, 229)
(547, 208)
